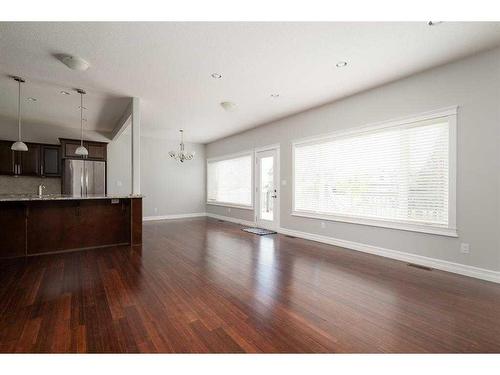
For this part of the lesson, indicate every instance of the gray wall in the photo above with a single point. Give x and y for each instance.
(473, 84)
(119, 168)
(45, 133)
(169, 187)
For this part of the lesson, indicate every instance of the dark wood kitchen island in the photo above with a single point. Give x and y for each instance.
(33, 225)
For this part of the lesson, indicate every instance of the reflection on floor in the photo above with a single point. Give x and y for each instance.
(200, 285)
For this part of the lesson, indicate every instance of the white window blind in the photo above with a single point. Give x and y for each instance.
(229, 181)
(395, 174)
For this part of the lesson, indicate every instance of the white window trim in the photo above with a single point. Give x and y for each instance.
(229, 157)
(450, 230)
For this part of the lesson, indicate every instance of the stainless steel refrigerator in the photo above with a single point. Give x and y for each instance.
(84, 177)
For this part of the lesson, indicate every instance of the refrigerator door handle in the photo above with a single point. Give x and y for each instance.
(86, 181)
(81, 182)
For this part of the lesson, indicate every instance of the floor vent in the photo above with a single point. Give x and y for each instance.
(220, 221)
(419, 266)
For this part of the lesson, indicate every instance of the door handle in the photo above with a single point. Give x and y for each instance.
(275, 194)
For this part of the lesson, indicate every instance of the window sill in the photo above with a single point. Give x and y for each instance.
(449, 232)
(230, 205)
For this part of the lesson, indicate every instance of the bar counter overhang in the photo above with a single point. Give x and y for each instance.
(35, 225)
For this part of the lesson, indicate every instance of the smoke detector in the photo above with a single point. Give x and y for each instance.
(75, 62)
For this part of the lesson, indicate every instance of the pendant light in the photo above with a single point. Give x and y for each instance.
(81, 150)
(19, 145)
(182, 155)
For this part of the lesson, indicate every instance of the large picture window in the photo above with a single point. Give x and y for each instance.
(398, 175)
(229, 181)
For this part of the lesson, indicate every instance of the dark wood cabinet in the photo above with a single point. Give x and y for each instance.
(39, 160)
(27, 163)
(49, 226)
(12, 229)
(55, 226)
(97, 150)
(45, 160)
(6, 158)
(51, 161)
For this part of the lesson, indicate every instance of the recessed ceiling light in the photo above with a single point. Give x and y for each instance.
(275, 95)
(64, 92)
(228, 106)
(434, 23)
(32, 99)
(341, 64)
(216, 75)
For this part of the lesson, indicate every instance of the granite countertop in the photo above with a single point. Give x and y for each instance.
(59, 197)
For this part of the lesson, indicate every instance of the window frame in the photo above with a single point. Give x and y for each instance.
(404, 122)
(250, 153)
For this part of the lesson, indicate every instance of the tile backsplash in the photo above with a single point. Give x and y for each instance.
(29, 185)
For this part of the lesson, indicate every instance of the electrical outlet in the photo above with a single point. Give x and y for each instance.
(464, 248)
(156, 210)
(323, 225)
(228, 210)
(283, 182)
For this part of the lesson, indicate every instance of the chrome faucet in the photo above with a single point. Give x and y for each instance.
(41, 187)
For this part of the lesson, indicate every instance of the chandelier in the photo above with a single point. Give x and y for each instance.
(181, 155)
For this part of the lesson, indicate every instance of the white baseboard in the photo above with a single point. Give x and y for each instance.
(232, 219)
(171, 217)
(462, 269)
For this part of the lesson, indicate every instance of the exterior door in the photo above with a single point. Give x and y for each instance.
(267, 189)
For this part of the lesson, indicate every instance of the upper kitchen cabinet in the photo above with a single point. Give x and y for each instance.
(27, 163)
(6, 158)
(39, 160)
(97, 150)
(51, 161)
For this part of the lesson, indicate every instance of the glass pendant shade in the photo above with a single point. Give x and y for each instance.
(19, 146)
(81, 151)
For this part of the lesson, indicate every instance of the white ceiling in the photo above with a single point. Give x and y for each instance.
(168, 65)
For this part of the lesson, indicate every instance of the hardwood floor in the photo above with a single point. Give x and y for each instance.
(200, 285)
